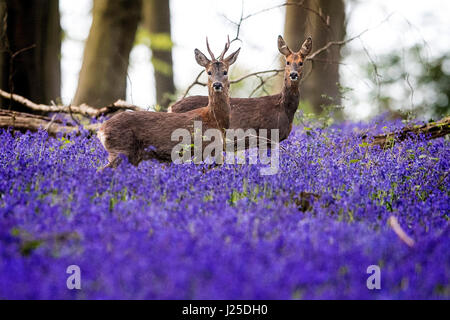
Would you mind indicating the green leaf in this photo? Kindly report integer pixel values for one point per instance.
(29, 246)
(364, 145)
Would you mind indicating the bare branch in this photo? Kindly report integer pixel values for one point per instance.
(84, 109)
(312, 57)
(324, 18)
(344, 42)
(15, 54)
(196, 82)
(276, 71)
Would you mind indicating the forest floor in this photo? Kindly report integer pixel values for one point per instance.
(337, 206)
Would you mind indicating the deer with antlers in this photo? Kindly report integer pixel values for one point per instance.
(268, 112)
(144, 135)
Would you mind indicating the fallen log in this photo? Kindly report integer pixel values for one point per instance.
(431, 130)
(25, 121)
(84, 110)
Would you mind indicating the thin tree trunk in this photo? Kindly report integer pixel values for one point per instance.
(31, 48)
(296, 24)
(321, 87)
(103, 75)
(156, 14)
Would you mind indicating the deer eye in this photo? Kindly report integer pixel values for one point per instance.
(225, 73)
(288, 63)
(300, 64)
(209, 73)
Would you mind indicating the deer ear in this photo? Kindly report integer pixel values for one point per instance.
(306, 47)
(282, 47)
(232, 57)
(201, 58)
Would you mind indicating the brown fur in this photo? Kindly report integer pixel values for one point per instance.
(269, 112)
(144, 135)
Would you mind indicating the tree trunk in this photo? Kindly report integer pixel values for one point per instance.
(103, 75)
(31, 48)
(321, 87)
(156, 14)
(2, 44)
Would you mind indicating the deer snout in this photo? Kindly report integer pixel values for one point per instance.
(294, 76)
(217, 86)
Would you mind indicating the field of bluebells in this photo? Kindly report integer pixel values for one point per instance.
(194, 232)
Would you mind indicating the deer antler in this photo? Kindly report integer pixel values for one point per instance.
(209, 50)
(227, 46)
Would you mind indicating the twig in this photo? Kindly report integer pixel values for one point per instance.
(393, 222)
(276, 71)
(11, 68)
(344, 42)
(71, 115)
(325, 19)
(196, 82)
(312, 57)
(375, 68)
(47, 127)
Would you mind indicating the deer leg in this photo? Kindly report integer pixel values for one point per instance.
(113, 161)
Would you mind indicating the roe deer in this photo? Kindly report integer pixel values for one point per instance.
(268, 112)
(134, 133)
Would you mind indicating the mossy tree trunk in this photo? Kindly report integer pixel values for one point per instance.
(321, 87)
(103, 75)
(30, 45)
(156, 18)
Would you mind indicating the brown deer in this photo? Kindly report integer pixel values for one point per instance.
(143, 135)
(268, 112)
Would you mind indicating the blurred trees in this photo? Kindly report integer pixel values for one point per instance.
(30, 50)
(404, 81)
(309, 18)
(30, 43)
(103, 76)
(156, 21)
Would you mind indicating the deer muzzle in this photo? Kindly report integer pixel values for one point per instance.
(217, 86)
(293, 76)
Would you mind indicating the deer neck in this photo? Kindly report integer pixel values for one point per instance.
(219, 107)
(290, 97)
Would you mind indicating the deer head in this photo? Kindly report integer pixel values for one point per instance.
(294, 60)
(217, 69)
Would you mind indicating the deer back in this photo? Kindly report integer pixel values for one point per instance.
(268, 112)
(142, 135)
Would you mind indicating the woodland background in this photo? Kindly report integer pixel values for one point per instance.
(95, 52)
